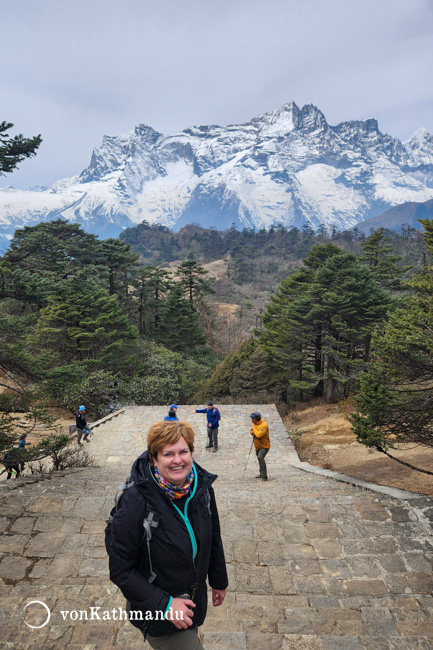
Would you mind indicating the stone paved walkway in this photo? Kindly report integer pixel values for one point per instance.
(313, 563)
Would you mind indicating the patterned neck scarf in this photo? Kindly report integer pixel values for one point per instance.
(173, 491)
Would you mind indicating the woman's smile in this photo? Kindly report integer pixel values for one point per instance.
(174, 462)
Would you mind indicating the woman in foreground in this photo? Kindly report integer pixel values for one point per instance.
(168, 579)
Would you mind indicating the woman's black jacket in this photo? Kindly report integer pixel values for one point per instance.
(171, 546)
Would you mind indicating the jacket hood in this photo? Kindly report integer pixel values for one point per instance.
(141, 472)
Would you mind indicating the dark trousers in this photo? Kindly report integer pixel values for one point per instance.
(82, 433)
(183, 640)
(10, 469)
(212, 434)
(261, 453)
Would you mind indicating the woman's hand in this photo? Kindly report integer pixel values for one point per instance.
(182, 607)
(218, 596)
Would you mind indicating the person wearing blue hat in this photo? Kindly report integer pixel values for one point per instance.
(260, 432)
(81, 424)
(171, 417)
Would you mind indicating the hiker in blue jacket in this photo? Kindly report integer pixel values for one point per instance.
(213, 418)
(171, 417)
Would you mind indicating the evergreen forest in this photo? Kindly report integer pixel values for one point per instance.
(156, 317)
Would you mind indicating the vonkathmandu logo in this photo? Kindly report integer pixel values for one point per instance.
(95, 614)
(38, 602)
(119, 614)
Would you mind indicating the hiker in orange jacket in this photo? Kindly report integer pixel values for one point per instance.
(260, 433)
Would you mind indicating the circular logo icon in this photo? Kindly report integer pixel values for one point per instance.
(38, 602)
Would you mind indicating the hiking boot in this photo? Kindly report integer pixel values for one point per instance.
(258, 476)
(208, 446)
(215, 449)
(265, 478)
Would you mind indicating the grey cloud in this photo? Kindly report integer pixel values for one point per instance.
(83, 69)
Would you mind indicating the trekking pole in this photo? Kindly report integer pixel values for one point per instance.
(252, 442)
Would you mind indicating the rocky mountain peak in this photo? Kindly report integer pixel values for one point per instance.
(286, 166)
(420, 147)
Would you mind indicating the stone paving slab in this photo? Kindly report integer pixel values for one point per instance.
(313, 563)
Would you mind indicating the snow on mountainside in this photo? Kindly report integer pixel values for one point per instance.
(288, 166)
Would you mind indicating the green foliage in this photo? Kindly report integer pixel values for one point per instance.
(171, 375)
(194, 285)
(54, 250)
(68, 308)
(153, 389)
(120, 261)
(15, 358)
(395, 403)
(295, 435)
(151, 287)
(10, 433)
(179, 329)
(59, 380)
(318, 327)
(219, 383)
(100, 391)
(259, 255)
(378, 256)
(15, 150)
(84, 325)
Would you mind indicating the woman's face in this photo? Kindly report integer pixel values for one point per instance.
(174, 462)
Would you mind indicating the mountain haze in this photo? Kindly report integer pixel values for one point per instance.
(288, 166)
(404, 214)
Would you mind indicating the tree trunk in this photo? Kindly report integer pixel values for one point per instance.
(318, 365)
(330, 383)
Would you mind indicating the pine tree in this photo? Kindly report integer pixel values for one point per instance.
(347, 304)
(281, 338)
(151, 286)
(82, 324)
(378, 256)
(192, 281)
(179, 329)
(318, 327)
(15, 150)
(120, 261)
(395, 404)
(53, 249)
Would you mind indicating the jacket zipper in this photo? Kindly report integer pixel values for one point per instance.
(185, 517)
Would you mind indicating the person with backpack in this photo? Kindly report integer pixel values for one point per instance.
(171, 417)
(163, 540)
(81, 424)
(213, 417)
(11, 464)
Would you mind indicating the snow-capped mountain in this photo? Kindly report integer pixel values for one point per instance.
(288, 166)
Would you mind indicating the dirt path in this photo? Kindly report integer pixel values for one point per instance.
(329, 442)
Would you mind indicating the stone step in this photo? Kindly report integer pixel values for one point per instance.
(313, 562)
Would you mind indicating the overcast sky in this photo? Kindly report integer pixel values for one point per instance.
(74, 71)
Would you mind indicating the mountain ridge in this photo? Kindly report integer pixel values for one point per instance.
(286, 166)
(404, 214)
